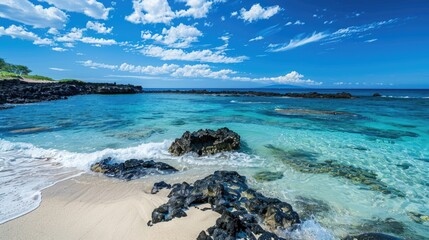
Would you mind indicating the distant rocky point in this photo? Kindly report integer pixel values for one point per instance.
(16, 91)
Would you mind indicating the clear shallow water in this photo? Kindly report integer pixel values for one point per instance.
(388, 136)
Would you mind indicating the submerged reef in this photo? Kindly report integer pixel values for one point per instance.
(205, 142)
(131, 169)
(306, 162)
(267, 176)
(245, 213)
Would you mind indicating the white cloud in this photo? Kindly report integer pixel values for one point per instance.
(197, 8)
(297, 42)
(371, 40)
(150, 11)
(290, 78)
(256, 12)
(76, 35)
(58, 69)
(202, 71)
(151, 70)
(95, 65)
(349, 31)
(98, 41)
(258, 38)
(181, 36)
(53, 31)
(20, 32)
(197, 55)
(198, 71)
(91, 8)
(24, 11)
(233, 14)
(330, 37)
(59, 49)
(98, 27)
(297, 22)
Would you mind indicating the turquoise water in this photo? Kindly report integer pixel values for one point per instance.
(388, 136)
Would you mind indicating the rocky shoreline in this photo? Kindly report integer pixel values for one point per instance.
(16, 91)
(244, 212)
(342, 95)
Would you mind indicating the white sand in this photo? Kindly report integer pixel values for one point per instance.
(95, 207)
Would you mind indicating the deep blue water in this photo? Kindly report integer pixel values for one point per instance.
(387, 136)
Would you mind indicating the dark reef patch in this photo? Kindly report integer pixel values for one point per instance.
(267, 176)
(306, 162)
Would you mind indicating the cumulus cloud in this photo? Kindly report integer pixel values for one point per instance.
(59, 49)
(91, 8)
(297, 42)
(98, 27)
(20, 32)
(76, 35)
(202, 71)
(258, 38)
(181, 36)
(98, 41)
(197, 8)
(197, 55)
(173, 70)
(95, 65)
(256, 12)
(151, 70)
(24, 11)
(293, 78)
(149, 11)
(198, 71)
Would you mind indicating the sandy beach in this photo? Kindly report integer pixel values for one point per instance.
(96, 207)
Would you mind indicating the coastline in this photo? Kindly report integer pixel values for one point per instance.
(96, 207)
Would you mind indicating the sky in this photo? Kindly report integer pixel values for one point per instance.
(222, 43)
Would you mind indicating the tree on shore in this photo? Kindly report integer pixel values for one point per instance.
(12, 68)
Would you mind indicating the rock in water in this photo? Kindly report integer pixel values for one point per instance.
(205, 142)
(131, 169)
(245, 213)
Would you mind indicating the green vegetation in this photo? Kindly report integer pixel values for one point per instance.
(74, 81)
(38, 77)
(12, 68)
(8, 70)
(4, 74)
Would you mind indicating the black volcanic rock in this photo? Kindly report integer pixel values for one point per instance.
(131, 169)
(205, 142)
(243, 210)
(376, 95)
(342, 95)
(17, 91)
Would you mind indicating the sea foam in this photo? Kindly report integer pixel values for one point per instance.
(25, 170)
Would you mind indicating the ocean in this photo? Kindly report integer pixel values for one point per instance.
(346, 165)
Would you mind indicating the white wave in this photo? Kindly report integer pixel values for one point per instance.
(25, 170)
(310, 230)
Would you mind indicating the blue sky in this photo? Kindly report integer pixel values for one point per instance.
(221, 43)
